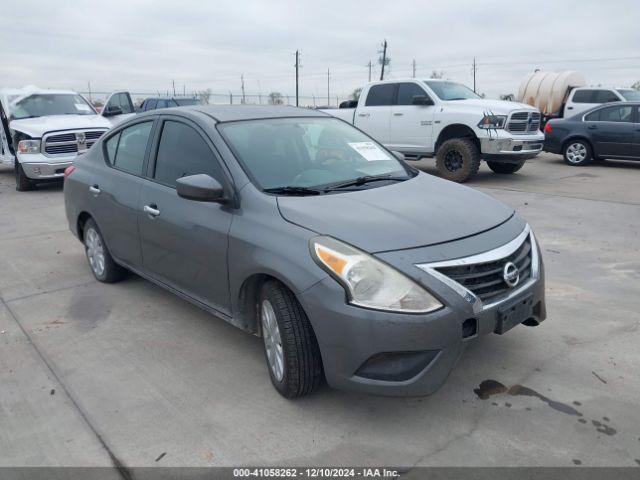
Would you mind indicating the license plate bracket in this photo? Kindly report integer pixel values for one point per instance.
(514, 313)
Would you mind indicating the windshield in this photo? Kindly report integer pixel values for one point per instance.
(630, 95)
(40, 105)
(186, 101)
(451, 90)
(308, 152)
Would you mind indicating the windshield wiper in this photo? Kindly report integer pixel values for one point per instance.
(459, 98)
(291, 190)
(356, 182)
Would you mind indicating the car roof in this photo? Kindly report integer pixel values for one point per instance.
(171, 98)
(230, 113)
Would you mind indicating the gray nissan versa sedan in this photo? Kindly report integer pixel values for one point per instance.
(298, 227)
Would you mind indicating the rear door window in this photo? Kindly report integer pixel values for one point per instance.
(583, 96)
(381, 95)
(182, 152)
(126, 150)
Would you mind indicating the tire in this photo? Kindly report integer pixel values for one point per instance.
(23, 183)
(100, 260)
(290, 346)
(577, 153)
(458, 159)
(501, 167)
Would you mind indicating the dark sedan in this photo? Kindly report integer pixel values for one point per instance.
(608, 131)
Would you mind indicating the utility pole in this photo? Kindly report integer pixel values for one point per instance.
(369, 65)
(328, 76)
(184, 90)
(174, 87)
(384, 59)
(244, 100)
(474, 69)
(90, 99)
(297, 66)
(413, 64)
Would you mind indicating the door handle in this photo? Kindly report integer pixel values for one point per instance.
(363, 114)
(592, 127)
(151, 210)
(95, 189)
(569, 108)
(398, 114)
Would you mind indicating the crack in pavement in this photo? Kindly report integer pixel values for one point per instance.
(117, 464)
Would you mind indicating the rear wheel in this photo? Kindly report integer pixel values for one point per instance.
(577, 153)
(290, 345)
(501, 167)
(23, 183)
(458, 159)
(102, 265)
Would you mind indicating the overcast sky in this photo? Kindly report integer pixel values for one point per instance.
(143, 45)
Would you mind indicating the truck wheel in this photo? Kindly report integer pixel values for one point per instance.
(458, 159)
(577, 153)
(100, 260)
(501, 167)
(23, 183)
(290, 346)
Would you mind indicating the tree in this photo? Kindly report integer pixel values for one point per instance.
(436, 74)
(355, 95)
(636, 86)
(204, 96)
(275, 98)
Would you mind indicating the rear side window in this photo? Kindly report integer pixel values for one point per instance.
(125, 151)
(605, 96)
(583, 96)
(150, 104)
(380, 95)
(623, 114)
(183, 152)
(406, 92)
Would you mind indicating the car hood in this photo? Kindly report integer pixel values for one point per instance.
(38, 126)
(502, 107)
(422, 211)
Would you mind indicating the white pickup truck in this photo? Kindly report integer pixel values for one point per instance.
(426, 118)
(42, 131)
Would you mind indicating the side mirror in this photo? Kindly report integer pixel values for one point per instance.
(201, 188)
(398, 155)
(112, 111)
(421, 100)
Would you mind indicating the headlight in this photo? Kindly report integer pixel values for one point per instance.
(493, 121)
(369, 282)
(29, 146)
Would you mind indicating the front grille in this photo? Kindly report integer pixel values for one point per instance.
(486, 280)
(69, 142)
(523, 122)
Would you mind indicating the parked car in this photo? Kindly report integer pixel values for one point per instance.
(607, 131)
(43, 131)
(563, 94)
(295, 226)
(166, 102)
(423, 118)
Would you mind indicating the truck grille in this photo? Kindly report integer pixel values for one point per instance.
(523, 122)
(486, 280)
(70, 142)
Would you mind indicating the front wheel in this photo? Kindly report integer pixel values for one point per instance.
(290, 345)
(23, 183)
(577, 153)
(501, 167)
(458, 159)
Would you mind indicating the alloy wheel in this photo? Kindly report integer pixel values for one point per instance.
(576, 152)
(272, 340)
(95, 251)
(453, 160)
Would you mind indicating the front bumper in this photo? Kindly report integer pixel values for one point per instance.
(350, 337)
(39, 167)
(502, 146)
